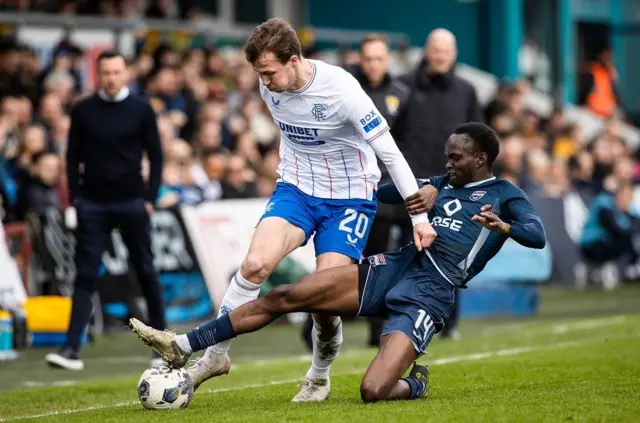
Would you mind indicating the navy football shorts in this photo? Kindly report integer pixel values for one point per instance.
(415, 300)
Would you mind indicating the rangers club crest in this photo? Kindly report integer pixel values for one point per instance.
(476, 195)
(319, 112)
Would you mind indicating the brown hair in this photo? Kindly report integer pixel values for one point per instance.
(276, 36)
(369, 38)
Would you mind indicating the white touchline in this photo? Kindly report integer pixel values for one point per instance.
(437, 362)
(588, 324)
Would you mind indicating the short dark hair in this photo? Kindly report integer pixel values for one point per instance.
(276, 36)
(483, 137)
(109, 54)
(374, 36)
(37, 157)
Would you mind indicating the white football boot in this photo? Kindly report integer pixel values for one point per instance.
(312, 390)
(206, 368)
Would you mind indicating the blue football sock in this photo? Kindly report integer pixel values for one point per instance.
(211, 333)
(416, 385)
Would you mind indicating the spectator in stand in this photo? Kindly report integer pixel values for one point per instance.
(41, 193)
(165, 96)
(50, 111)
(16, 77)
(608, 233)
(61, 84)
(598, 86)
(170, 191)
(509, 162)
(581, 175)
(8, 185)
(238, 181)
(208, 137)
(537, 171)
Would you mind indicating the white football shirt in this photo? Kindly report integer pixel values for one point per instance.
(325, 130)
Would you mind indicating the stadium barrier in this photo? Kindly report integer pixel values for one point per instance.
(185, 292)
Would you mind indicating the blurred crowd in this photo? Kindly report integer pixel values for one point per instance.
(546, 156)
(127, 9)
(218, 139)
(220, 142)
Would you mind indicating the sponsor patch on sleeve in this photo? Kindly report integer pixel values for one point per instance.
(370, 121)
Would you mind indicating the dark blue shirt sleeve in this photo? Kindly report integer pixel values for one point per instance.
(389, 194)
(526, 226)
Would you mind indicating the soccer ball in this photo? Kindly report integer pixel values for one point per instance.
(163, 388)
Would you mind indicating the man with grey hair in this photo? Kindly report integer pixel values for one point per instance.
(439, 102)
(60, 83)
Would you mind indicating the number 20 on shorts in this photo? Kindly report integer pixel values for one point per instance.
(359, 229)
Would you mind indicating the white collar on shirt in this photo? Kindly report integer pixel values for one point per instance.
(122, 94)
(475, 184)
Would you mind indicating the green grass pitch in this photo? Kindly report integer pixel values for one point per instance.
(578, 360)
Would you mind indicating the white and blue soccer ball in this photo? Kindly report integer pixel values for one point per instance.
(163, 388)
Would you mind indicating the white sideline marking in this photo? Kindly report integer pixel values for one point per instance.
(588, 324)
(440, 361)
(145, 360)
(37, 384)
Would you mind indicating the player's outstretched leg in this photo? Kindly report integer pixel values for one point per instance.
(383, 380)
(273, 239)
(332, 291)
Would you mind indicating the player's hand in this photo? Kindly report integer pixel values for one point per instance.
(422, 201)
(423, 235)
(148, 207)
(491, 221)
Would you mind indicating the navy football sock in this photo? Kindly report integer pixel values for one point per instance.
(211, 333)
(416, 385)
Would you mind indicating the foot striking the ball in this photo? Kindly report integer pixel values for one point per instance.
(162, 342)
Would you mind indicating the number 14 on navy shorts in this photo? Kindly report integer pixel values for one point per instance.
(340, 226)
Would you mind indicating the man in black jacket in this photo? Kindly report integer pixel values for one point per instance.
(388, 94)
(439, 102)
(109, 133)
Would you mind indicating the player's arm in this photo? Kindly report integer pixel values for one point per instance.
(374, 130)
(389, 194)
(360, 111)
(523, 225)
(386, 149)
(421, 201)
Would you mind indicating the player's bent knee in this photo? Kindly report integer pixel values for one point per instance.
(255, 267)
(371, 391)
